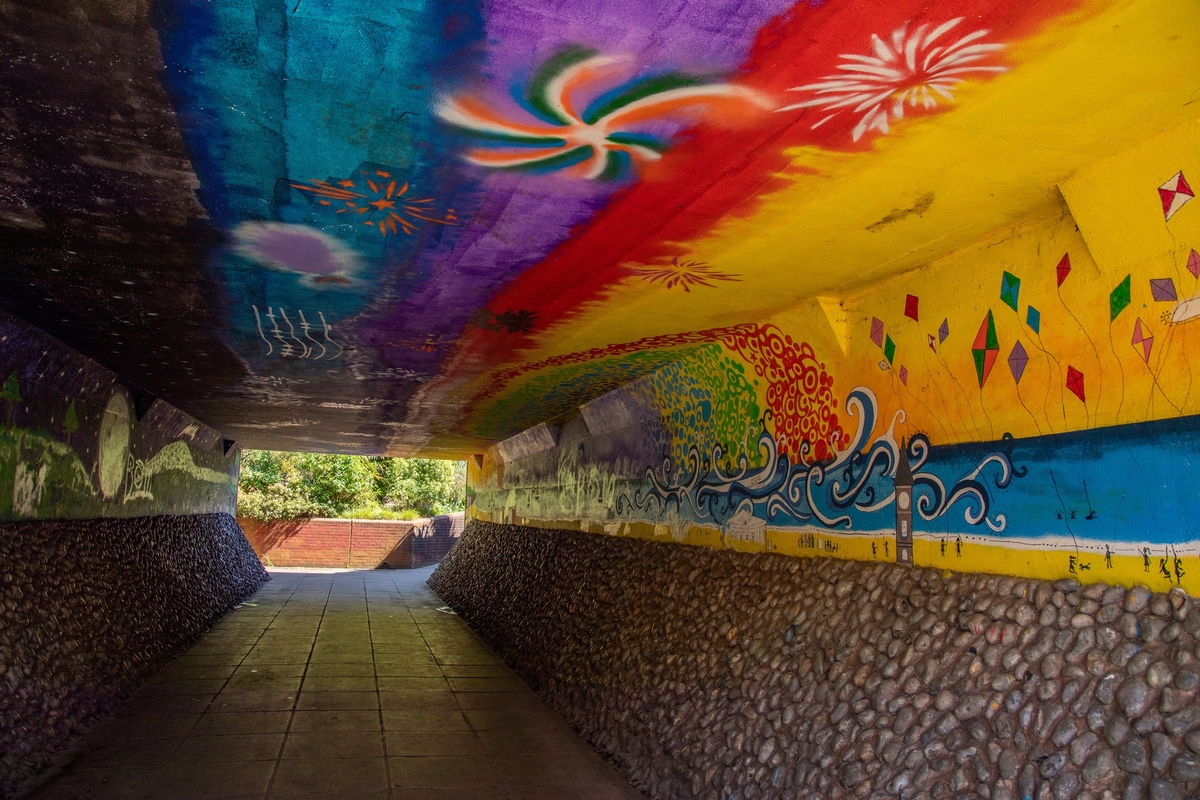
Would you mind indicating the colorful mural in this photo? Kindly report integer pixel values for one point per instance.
(75, 445)
(434, 200)
(1075, 460)
(732, 265)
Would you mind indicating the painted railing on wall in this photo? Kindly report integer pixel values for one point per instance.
(353, 543)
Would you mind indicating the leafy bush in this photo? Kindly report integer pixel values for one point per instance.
(276, 485)
(423, 484)
(376, 511)
(278, 502)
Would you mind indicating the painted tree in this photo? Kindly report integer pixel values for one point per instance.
(70, 421)
(11, 395)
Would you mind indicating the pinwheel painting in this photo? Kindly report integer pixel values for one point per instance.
(915, 68)
(604, 138)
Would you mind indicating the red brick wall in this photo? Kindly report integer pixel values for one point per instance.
(359, 544)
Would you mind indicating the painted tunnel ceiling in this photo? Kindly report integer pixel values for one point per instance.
(422, 227)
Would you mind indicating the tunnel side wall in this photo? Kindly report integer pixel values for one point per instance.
(76, 443)
(715, 674)
(117, 545)
(93, 608)
(1025, 407)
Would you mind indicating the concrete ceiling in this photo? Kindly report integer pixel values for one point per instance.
(422, 227)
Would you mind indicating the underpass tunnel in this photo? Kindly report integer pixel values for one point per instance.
(823, 373)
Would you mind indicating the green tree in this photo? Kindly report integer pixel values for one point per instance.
(276, 485)
(10, 393)
(70, 421)
(271, 487)
(423, 484)
(460, 484)
(261, 469)
(336, 482)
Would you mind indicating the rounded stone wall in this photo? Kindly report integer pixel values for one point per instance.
(710, 674)
(90, 609)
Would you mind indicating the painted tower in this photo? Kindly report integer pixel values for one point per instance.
(904, 511)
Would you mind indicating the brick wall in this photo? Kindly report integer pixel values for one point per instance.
(358, 543)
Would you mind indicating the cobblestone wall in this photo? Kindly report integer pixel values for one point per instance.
(713, 674)
(92, 608)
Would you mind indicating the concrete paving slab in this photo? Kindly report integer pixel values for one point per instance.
(338, 684)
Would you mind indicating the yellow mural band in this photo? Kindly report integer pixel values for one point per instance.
(929, 550)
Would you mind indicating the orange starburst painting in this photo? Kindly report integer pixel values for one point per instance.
(684, 273)
(382, 200)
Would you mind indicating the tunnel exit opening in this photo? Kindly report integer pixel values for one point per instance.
(336, 511)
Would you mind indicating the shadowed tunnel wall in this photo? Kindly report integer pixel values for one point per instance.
(118, 548)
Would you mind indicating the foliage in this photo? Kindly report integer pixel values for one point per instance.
(275, 485)
(376, 511)
(71, 420)
(10, 393)
(423, 484)
(11, 390)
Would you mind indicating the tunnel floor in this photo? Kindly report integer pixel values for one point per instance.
(348, 685)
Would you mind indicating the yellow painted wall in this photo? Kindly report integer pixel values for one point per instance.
(1109, 223)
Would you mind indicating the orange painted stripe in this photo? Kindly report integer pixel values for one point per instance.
(486, 114)
(581, 77)
(510, 158)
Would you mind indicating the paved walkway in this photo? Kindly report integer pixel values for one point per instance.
(348, 685)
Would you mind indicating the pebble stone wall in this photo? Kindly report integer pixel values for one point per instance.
(93, 608)
(709, 674)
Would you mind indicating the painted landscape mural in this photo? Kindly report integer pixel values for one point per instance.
(76, 444)
(722, 273)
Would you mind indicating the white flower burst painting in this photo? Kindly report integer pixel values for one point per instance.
(915, 68)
